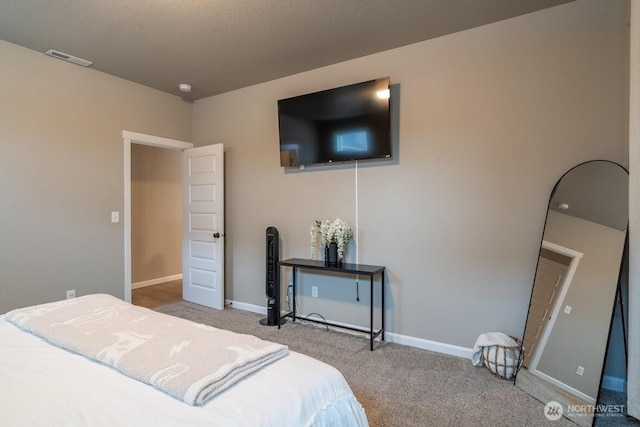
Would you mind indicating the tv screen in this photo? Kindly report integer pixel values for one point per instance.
(336, 125)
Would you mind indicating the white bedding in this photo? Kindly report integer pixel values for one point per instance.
(44, 385)
(188, 360)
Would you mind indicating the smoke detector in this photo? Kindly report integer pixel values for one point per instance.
(184, 87)
(68, 58)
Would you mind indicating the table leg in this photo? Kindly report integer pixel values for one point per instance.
(382, 303)
(371, 309)
(293, 292)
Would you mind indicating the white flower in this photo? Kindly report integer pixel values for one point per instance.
(336, 231)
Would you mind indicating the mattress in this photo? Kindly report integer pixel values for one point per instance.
(45, 385)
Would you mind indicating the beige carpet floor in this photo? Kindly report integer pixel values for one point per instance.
(397, 385)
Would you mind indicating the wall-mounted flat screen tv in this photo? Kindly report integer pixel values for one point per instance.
(337, 125)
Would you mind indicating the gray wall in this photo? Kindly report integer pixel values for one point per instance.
(156, 213)
(489, 119)
(61, 173)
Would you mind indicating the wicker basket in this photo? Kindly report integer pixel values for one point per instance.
(503, 361)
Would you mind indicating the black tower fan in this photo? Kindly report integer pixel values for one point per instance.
(272, 279)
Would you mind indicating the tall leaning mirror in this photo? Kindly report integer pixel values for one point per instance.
(574, 290)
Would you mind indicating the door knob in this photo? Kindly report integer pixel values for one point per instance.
(216, 235)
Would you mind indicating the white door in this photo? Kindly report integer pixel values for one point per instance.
(203, 226)
(546, 287)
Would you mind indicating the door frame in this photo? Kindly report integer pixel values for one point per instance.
(555, 310)
(142, 139)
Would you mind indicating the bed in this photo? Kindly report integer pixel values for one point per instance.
(43, 384)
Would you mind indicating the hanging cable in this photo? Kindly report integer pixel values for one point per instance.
(357, 231)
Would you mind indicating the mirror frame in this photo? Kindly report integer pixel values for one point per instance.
(615, 302)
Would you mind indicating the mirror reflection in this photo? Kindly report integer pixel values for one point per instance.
(565, 337)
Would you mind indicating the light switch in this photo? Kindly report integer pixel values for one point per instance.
(567, 309)
(115, 216)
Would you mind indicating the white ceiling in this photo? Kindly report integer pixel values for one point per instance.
(222, 45)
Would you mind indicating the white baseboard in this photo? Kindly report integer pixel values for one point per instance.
(436, 346)
(246, 307)
(156, 281)
(614, 383)
(573, 391)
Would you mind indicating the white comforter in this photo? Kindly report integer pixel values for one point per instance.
(45, 385)
(188, 360)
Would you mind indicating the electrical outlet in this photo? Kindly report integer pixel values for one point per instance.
(567, 309)
(580, 370)
(314, 292)
(71, 293)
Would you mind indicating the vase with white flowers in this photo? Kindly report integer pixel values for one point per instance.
(336, 234)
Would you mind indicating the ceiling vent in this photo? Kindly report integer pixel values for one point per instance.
(68, 58)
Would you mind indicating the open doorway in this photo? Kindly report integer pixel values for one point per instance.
(550, 275)
(156, 225)
(202, 214)
(132, 139)
(568, 260)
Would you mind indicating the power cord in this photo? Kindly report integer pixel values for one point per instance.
(324, 321)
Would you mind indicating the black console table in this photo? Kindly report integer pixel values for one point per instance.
(365, 270)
